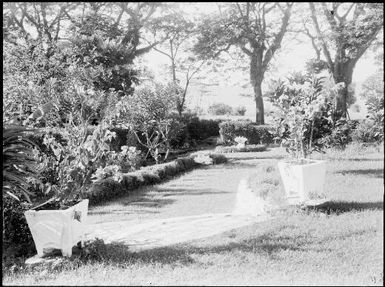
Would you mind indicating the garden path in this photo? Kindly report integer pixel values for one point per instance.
(197, 204)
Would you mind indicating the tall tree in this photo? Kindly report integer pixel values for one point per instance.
(257, 28)
(177, 34)
(346, 30)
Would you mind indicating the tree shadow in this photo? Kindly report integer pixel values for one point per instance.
(338, 207)
(366, 172)
(267, 245)
(255, 157)
(183, 253)
(362, 159)
(148, 202)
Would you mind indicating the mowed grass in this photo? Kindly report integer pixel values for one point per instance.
(338, 243)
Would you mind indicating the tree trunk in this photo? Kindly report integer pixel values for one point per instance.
(342, 73)
(256, 78)
(259, 109)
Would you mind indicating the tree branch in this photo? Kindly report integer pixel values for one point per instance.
(347, 12)
(329, 16)
(318, 30)
(145, 49)
(278, 38)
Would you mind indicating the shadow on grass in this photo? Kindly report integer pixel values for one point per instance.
(338, 207)
(120, 253)
(366, 172)
(361, 159)
(148, 202)
(255, 157)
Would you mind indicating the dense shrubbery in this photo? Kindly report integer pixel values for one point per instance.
(218, 109)
(240, 111)
(368, 131)
(341, 134)
(194, 130)
(305, 112)
(16, 234)
(255, 134)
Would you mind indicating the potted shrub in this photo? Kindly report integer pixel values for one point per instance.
(59, 223)
(303, 104)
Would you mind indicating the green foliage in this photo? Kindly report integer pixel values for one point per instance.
(255, 134)
(218, 158)
(149, 115)
(304, 113)
(373, 93)
(17, 238)
(315, 66)
(218, 109)
(109, 50)
(194, 130)
(19, 164)
(368, 131)
(240, 111)
(74, 162)
(341, 134)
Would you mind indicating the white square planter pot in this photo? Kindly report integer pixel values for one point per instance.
(301, 180)
(59, 229)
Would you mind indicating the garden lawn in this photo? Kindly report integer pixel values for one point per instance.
(340, 243)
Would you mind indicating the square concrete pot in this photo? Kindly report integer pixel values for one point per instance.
(303, 182)
(58, 229)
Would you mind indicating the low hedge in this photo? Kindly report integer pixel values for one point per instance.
(255, 134)
(247, 148)
(109, 188)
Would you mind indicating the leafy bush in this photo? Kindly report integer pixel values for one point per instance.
(149, 113)
(368, 131)
(218, 158)
(202, 129)
(17, 238)
(19, 163)
(255, 134)
(240, 111)
(304, 103)
(247, 148)
(128, 159)
(194, 130)
(218, 109)
(341, 134)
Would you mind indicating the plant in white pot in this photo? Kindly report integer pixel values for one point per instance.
(304, 107)
(60, 222)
